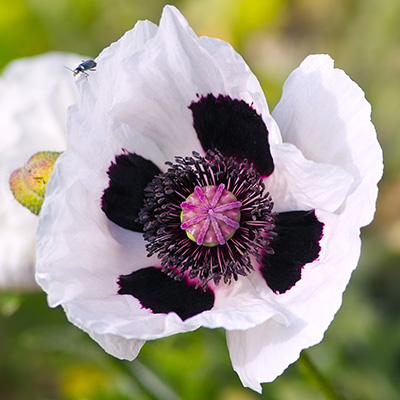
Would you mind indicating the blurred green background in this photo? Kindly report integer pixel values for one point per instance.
(43, 357)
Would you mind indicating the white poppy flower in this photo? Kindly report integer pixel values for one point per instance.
(34, 95)
(134, 249)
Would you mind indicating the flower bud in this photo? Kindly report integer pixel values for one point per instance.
(28, 183)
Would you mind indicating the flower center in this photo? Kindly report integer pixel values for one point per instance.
(210, 215)
(207, 218)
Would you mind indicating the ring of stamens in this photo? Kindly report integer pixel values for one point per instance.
(213, 190)
(210, 215)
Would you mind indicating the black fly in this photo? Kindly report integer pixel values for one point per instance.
(87, 65)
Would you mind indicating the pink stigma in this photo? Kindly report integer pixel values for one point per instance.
(210, 215)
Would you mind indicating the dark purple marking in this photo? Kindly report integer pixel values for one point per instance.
(296, 244)
(162, 294)
(124, 197)
(234, 128)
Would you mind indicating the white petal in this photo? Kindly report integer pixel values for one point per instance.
(94, 132)
(115, 345)
(81, 255)
(325, 115)
(300, 184)
(34, 95)
(262, 353)
(137, 99)
(309, 307)
(140, 96)
(239, 306)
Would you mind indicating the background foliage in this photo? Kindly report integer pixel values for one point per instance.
(43, 357)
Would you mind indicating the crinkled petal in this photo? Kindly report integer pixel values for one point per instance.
(79, 239)
(84, 267)
(325, 114)
(124, 349)
(301, 184)
(33, 104)
(144, 110)
(117, 346)
(309, 306)
(81, 255)
(262, 353)
(145, 106)
(236, 306)
(239, 306)
(93, 131)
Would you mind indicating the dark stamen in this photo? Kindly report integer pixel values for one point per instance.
(167, 195)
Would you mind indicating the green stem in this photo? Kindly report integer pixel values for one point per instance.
(315, 376)
(147, 380)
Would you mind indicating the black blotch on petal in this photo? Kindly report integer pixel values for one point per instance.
(296, 244)
(234, 128)
(123, 198)
(162, 294)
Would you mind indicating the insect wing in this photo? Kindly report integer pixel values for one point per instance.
(88, 64)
